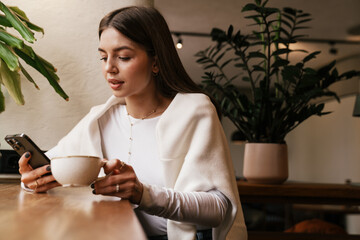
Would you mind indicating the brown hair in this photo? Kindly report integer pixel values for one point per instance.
(147, 27)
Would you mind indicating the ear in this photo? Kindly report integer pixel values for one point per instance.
(155, 65)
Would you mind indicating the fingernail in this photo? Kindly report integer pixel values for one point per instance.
(48, 168)
(27, 155)
(94, 191)
(92, 185)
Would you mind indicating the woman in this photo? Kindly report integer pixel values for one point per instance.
(169, 156)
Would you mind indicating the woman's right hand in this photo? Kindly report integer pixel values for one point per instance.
(34, 178)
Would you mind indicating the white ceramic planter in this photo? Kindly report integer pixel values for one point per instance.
(266, 163)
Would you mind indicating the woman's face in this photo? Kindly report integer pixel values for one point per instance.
(125, 64)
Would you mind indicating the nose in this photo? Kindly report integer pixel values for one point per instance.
(110, 66)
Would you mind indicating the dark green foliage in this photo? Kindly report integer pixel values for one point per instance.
(282, 92)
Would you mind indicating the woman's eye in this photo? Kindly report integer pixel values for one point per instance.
(103, 59)
(124, 58)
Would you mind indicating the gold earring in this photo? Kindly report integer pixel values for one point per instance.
(155, 74)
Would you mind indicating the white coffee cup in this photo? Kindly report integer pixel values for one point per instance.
(76, 170)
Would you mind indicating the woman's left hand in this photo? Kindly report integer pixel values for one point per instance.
(122, 182)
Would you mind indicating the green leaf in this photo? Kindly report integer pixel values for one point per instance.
(258, 43)
(40, 67)
(264, 3)
(324, 71)
(7, 55)
(281, 51)
(219, 57)
(299, 50)
(27, 50)
(28, 77)
(2, 101)
(299, 36)
(11, 40)
(233, 78)
(29, 56)
(310, 71)
(24, 30)
(12, 83)
(254, 17)
(279, 63)
(290, 11)
(299, 28)
(246, 79)
(286, 23)
(258, 68)
(47, 64)
(350, 74)
(225, 63)
(230, 32)
(31, 25)
(290, 73)
(249, 7)
(311, 56)
(304, 15)
(19, 12)
(288, 35)
(218, 35)
(210, 66)
(284, 41)
(289, 18)
(4, 22)
(304, 21)
(308, 81)
(257, 55)
(269, 11)
(213, 53)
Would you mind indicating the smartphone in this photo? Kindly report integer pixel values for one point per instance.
(21, 143)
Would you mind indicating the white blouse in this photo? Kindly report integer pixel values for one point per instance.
(202, 208)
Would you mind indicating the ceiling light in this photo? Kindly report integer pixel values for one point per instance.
(179, 44)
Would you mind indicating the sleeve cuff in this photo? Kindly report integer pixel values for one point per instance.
(24, 187)
(145, 201)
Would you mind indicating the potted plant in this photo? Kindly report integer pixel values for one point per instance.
(282, 93)
(13, 48)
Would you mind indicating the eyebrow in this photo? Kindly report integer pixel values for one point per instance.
(116, 49)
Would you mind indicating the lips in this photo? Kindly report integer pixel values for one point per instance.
(115, 84)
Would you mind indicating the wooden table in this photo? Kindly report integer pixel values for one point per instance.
(64, 213)
(290, 193)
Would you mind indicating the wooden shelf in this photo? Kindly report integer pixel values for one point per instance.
(300, 192)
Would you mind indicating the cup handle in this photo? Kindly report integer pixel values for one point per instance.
(101, 178)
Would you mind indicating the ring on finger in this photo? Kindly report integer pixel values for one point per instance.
(117, 188)
(37, 185)
(122, 164)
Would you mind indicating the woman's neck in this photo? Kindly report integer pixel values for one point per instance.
(146, 107)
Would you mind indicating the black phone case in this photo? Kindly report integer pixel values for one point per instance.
(21, 143)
